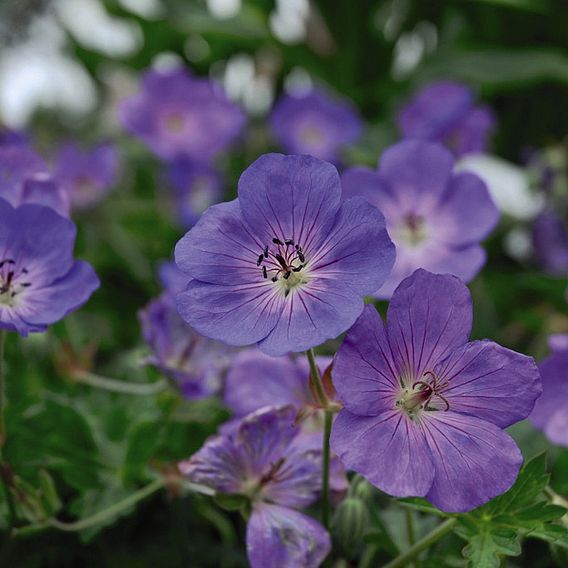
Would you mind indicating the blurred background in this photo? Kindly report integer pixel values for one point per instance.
(65, 65)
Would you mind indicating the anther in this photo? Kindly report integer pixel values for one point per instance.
(289, 242)
(264, 272)
(298, 268)
(281, 261)
(274, 279)
(277, 241)
(260, 259)
(301, 256)
(287, 275)
(265, 252)
(7, 261)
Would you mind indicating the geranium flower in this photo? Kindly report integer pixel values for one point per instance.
(435, 217)
(314, 123)
(196, 364)
(24, 178)
(262, 461)
(287, 263)
(550, 413)
(177, 114)
(445, 112)
(40, 282)
(87, 175)
(424, 409)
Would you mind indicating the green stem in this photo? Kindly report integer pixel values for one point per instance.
(99, 517)
(328, 419)
(142, 389)
(424, 543)
(2, 388)
(4, 471)
(315, 379)
(411, 533)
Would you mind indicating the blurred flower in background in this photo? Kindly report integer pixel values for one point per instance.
(24, 178)
(445, 112)
(196, 186)
(87, 175)
(550, 413)
(176, 114)
(314, 123)
(435, 217)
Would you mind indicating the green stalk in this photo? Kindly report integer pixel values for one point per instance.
(104, 383)
(315, 380)
(423, 544)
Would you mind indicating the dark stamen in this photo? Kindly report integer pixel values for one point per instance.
(281, 261)
(274, 279)
(301, 257)
(265, 251)
(298, 268)
(289, 242)
(260, 259)
(287, 275)
(277, 241)
(7, 261)
(264, 272)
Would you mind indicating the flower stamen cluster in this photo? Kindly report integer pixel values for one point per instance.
(10, 286)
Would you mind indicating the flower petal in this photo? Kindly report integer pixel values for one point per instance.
(320, 310)
(290, 197)
(364, 372)
(417, 172)
(255, 380)
(490, 382)
(238, 314)
(358, 249)
(283, 538)
(389, 450)
(467, 213)
(48, 304)
(428, 317)
(220, 249)
(474, 460)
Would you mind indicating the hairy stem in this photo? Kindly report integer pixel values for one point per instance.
(424, 543)
(2, 388)
(411, 533)
(141, 389)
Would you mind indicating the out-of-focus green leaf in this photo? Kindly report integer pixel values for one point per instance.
(497, 69)
(539, 6)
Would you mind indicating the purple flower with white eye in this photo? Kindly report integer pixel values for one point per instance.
(424, 409)
(263, 461)
(195, 363)
(286, 265)
(550, 413)
(550, 239)
(445, 112)
(87, 175)
(314, 123)
(40, 281)
(177, 114)
(24, 178)
(196, 187)
(435, 217)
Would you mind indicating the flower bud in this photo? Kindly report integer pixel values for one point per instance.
(349, 524)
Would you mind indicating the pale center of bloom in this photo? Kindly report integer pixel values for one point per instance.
(284, 263)
(252, 486)
(411, 230)
(423, 395)
(84, 185)
(13, 282)
(174, 122)
(311, 135)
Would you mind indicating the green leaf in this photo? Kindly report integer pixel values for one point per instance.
(498, 68)
(233, 502)
(496, 529)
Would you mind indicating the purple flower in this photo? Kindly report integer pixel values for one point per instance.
(178, 114)
(197, 186)
(287, 263)
(316, 124)
(263, 461)
(171, 277)
(435, 217)
(424, 409)
(13, 138)
(87, 175)
(255, 380)
(40, 282)
(195, 363)
(445, 112)
(24, 178)
(550, 239)
(550, 413)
